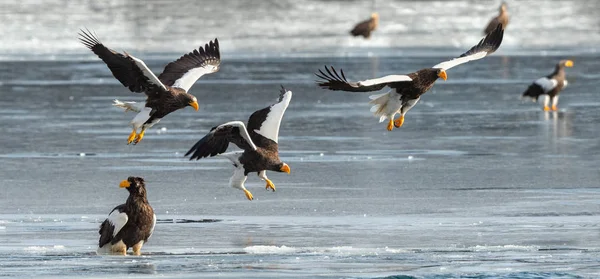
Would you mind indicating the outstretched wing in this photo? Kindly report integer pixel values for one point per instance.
(218, 139)
(186, 70)
(112, 225)
(265, 123)
(334, 81)
(130, 71)
(486, 46)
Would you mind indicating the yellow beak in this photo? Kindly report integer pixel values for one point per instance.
(285, 168)
(194, 104)
(569, 63)
(443, 75)
(124, 184)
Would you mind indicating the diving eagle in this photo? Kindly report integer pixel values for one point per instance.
(130, 224)
(165, 93)
(258, 140)
(407, 89)
(549, 86)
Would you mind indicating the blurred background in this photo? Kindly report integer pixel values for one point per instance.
(48, 29)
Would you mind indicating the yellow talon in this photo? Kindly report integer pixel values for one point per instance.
(140, 136)
(390, 125)
(398, 122)
(554, 108)
(270, 185)
(248, 195)
(546, 108)
(131, 136)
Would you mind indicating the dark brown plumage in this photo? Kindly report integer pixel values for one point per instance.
(128, 225)
(259, 142)
(501, 18)
(165, 94)
(550, 86)
(407, 89)
(364, 28)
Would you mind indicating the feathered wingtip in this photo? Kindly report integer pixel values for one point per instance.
(330, 76)
(490, 43)
(88, 38)
(282, 93)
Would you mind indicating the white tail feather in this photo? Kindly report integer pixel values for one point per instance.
(380, 105)
(128, 106)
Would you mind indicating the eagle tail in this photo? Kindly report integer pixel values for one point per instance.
(380, 105)
(128, 106)
(533, 91)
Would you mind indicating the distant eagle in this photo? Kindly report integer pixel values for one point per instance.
(407, 89)
(130, 224)
(168, 92)
(258, 140)
(550, 86)
(365, 28)
(501, 18)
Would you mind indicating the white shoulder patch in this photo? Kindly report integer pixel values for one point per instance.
(386, 79)
(153, 225)
(546, 84)
(118, 220)
(188, 79)
(270, 126)
(149, 74)
(141, 117)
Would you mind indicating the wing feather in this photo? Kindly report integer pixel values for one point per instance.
(218, 139)
(486, 46)
(266, 122)
(132, 74)
(186, 70)
(334, 81)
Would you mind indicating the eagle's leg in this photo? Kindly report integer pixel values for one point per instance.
(248, 194)
(119, 248)
(140, 136)
(398, 122)
(132, 136)
(137, 248)
(555, 103)
(270, 185)
(390, 125)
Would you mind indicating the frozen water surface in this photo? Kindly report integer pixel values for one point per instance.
(476, 184)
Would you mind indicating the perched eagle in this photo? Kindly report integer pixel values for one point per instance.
(129, 224)
(258, 141)
(167, 92)
(549, 86)
(501, 18)
(406, 89)
(365, 28)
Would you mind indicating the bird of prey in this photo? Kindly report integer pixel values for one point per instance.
(130, 224)
(364, 28)
(406, 89)
(258, 140)
(165, 93)
(549, 86)
(501, 18)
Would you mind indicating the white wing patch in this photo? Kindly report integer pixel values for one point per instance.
(118, 220)
(243, 131)
(270, 126)
(149, 74)
(457, 61)
(141, 117)
(188, 79)
(546, 84)
(386, 79)
(153, 225)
